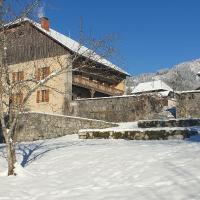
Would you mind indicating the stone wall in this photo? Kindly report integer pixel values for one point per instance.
(169, 123)
(120, 109)
(188, 104)
(35, 126)
(138, 134)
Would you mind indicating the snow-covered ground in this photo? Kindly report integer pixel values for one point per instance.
(69, 168)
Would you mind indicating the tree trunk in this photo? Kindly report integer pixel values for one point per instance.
(11, 157)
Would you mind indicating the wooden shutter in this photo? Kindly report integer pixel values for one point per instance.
(42, 95)
(43, 72)
(13, 77)
(17, 76)
(20, 98)
(38, 97)
(46, 95)
(21, 75)
(38, 74)
(47, 71)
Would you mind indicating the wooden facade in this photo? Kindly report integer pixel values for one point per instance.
(27, 43)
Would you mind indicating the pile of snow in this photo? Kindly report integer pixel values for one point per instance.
(69, 168)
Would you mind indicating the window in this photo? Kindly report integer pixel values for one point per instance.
(42, 96)
(42, 73)
(17, 99)
(17, 76)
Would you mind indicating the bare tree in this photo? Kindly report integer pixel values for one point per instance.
(13, 104)
(10, 107)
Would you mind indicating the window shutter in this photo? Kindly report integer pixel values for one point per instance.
(43, 72)
(47, 96)
(47, 71)
(13, 77)
(21, 75)
(43, 95)
(38, 97)
(20, 98)
(38, 74)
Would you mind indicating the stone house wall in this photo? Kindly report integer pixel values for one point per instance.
(35, 126)
(59, 86)
(120, 109)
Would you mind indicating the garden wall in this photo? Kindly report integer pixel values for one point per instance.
(120, 109)
(188, 104)
(35, 126)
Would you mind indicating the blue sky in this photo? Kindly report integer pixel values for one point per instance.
(152, 34)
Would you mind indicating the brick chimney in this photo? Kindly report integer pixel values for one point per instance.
(44, 21)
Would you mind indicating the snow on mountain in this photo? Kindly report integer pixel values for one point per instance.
(180, 77)
(69, 168)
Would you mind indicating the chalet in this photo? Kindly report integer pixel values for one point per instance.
(152, 87)
(36, 49)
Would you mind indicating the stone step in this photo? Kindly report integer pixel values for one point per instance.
(169, 123)
(139, 134)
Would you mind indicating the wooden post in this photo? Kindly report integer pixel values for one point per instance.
(92, 92)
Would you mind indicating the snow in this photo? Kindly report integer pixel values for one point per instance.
(69, 116)
(151, 86)
(72, 45)
(115, 97)
(121, 127)
(188, 91)
(69, 168)
(133, 126)
(164, 93)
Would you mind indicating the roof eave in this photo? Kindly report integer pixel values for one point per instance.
(18, 21)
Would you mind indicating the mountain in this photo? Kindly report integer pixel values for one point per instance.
(180, 77)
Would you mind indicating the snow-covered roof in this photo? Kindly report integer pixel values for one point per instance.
(164, 93)
(151, 86)
(72, 45)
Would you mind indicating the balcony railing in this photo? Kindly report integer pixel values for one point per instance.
(95, 85)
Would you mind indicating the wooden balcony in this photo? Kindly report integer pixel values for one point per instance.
(95, 85)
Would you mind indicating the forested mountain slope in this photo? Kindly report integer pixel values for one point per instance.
(180, 77)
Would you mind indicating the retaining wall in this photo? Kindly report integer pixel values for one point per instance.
(35, 126)
(169, 123)
(139, 134)
(120, 109)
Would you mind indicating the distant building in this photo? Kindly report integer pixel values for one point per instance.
(151, 87)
